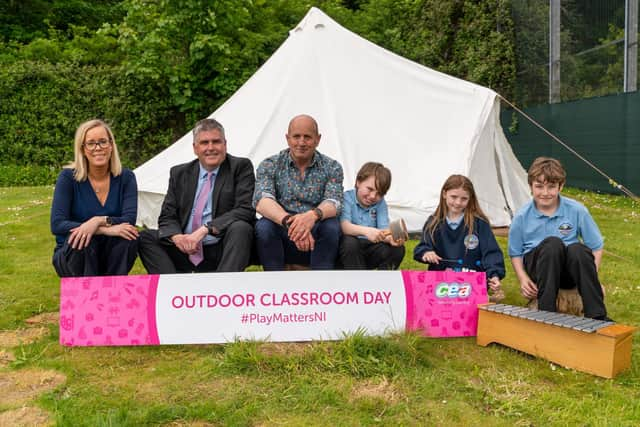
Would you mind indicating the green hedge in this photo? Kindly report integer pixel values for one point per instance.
(167, 64)
(43, 103)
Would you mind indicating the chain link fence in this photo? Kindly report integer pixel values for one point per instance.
(591, 49)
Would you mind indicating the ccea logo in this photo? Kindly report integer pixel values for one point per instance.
(453, 290)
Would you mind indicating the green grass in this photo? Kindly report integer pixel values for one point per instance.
(395, 380)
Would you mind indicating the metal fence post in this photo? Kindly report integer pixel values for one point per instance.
(554, 51)
(631, 46)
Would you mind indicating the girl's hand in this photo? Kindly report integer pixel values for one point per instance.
(494, 283)
(431, 257)
(496, 294)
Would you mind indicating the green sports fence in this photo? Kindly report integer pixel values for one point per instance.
(604, 130)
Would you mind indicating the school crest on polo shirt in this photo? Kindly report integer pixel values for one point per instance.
(373, 213)
(565, 228)
(471, 241)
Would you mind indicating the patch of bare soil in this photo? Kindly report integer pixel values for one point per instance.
(6, 357)
(44, 318)
(380, 389)
(19, 387)
(21, 336)
(26, 416)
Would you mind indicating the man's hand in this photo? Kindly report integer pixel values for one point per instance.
(300, 226)
(188, 243)
(180, 240)
(306, 244)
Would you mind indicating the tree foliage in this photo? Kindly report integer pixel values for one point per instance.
(26, 20)
(202, 51)
(153, 67)
(470, 39)
(43, 103)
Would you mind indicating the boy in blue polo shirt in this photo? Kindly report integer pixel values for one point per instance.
(555, 243)
(364, 245)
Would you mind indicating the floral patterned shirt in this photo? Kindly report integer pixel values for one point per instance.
(280, 179)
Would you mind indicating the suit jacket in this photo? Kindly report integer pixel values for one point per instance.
(232, 194)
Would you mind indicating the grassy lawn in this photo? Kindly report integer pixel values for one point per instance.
(394, 380)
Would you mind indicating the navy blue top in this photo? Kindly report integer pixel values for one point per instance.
(478, 252)
(75, 202)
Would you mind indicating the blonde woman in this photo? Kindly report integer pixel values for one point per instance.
(95, 203)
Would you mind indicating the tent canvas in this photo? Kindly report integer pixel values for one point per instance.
(371, 105)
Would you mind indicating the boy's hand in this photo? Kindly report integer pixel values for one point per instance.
(393, 242)
(431, 257)
(374, 235)
(528, 289)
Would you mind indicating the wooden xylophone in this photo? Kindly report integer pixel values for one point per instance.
(598, 347)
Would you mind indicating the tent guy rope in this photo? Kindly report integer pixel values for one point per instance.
(614, 183)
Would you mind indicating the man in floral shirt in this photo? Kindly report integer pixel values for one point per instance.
(299, 195)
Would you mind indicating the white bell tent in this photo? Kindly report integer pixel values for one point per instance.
(371, 105)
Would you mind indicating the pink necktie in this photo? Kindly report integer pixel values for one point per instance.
(197, 257)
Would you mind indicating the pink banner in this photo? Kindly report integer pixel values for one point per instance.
(110, 310)
(282, 306)
(444, 303)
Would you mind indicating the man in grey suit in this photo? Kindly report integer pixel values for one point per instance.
(206, 221)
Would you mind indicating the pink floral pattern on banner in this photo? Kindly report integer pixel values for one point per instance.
(444, 303)
(109, 310)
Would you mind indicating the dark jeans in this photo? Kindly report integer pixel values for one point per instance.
(552, 265)
(361, 254)
(231, 253)
(105, 256)
(275, 249)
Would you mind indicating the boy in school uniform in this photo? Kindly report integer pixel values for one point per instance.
(555, 243)
(364, 245)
